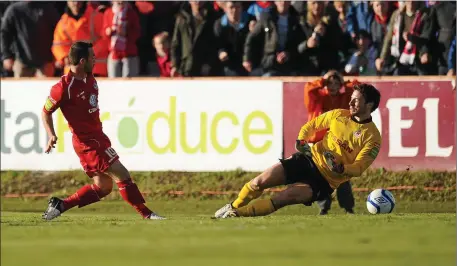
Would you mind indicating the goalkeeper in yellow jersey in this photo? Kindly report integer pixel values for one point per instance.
(349, 147)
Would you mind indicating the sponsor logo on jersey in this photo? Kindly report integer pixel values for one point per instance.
(343, 144)
(357, 134)
(93, 100)
(93, 110)
(95, 85)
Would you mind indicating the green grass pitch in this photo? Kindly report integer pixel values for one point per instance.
(110, 233)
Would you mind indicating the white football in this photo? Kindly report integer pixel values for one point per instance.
(380, 201)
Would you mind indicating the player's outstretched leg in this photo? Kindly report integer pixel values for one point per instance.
(129, 190)
(295, 194)
(88, 194)
(273, 176)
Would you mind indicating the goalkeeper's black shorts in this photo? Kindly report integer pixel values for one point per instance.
(301, 169)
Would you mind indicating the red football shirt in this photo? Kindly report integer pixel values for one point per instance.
(78, 101)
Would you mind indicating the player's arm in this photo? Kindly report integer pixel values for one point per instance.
(364, 159)
(311, 127)
(49, 126)
(317, 124)
(52, 103)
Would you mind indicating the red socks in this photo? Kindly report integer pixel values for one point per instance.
(84, 196)
(92, 193)
(130, 193)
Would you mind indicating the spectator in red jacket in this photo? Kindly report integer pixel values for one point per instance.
(325, 94)
(122, 26)
(161, 43)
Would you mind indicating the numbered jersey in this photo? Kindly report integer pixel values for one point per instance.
(78, 101)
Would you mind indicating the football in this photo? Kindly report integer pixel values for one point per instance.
(380, 201)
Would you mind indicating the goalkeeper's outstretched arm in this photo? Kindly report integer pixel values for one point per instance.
(317, 124)
(364, 159)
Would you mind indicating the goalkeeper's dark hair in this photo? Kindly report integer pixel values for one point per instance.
(78, 51)
(370, 94)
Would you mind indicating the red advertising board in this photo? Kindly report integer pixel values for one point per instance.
(416, 120)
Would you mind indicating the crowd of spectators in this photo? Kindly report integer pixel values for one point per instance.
(231, 38)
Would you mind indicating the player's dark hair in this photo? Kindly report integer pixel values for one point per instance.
(78, 51)
(370, 94)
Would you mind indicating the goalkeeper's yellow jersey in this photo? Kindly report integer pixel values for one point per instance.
(355, 144)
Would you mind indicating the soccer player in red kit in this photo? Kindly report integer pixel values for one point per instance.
(76, 94)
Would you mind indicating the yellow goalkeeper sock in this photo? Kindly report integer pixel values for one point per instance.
(259, 207)
(246, 195)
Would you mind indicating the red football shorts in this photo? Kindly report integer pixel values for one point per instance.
(96, 154)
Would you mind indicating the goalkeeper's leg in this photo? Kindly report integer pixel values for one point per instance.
(295, 194)
(273, 176)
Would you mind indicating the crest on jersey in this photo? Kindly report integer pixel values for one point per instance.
(357, 134)
(93, 100)
(95, 86)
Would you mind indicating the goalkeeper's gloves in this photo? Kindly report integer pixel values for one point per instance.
(333, 164)
(337, 167)
(303, 147)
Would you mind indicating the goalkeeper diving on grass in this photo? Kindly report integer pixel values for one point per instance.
(349, 147)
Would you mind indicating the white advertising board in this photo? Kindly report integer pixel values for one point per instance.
(153, 125)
